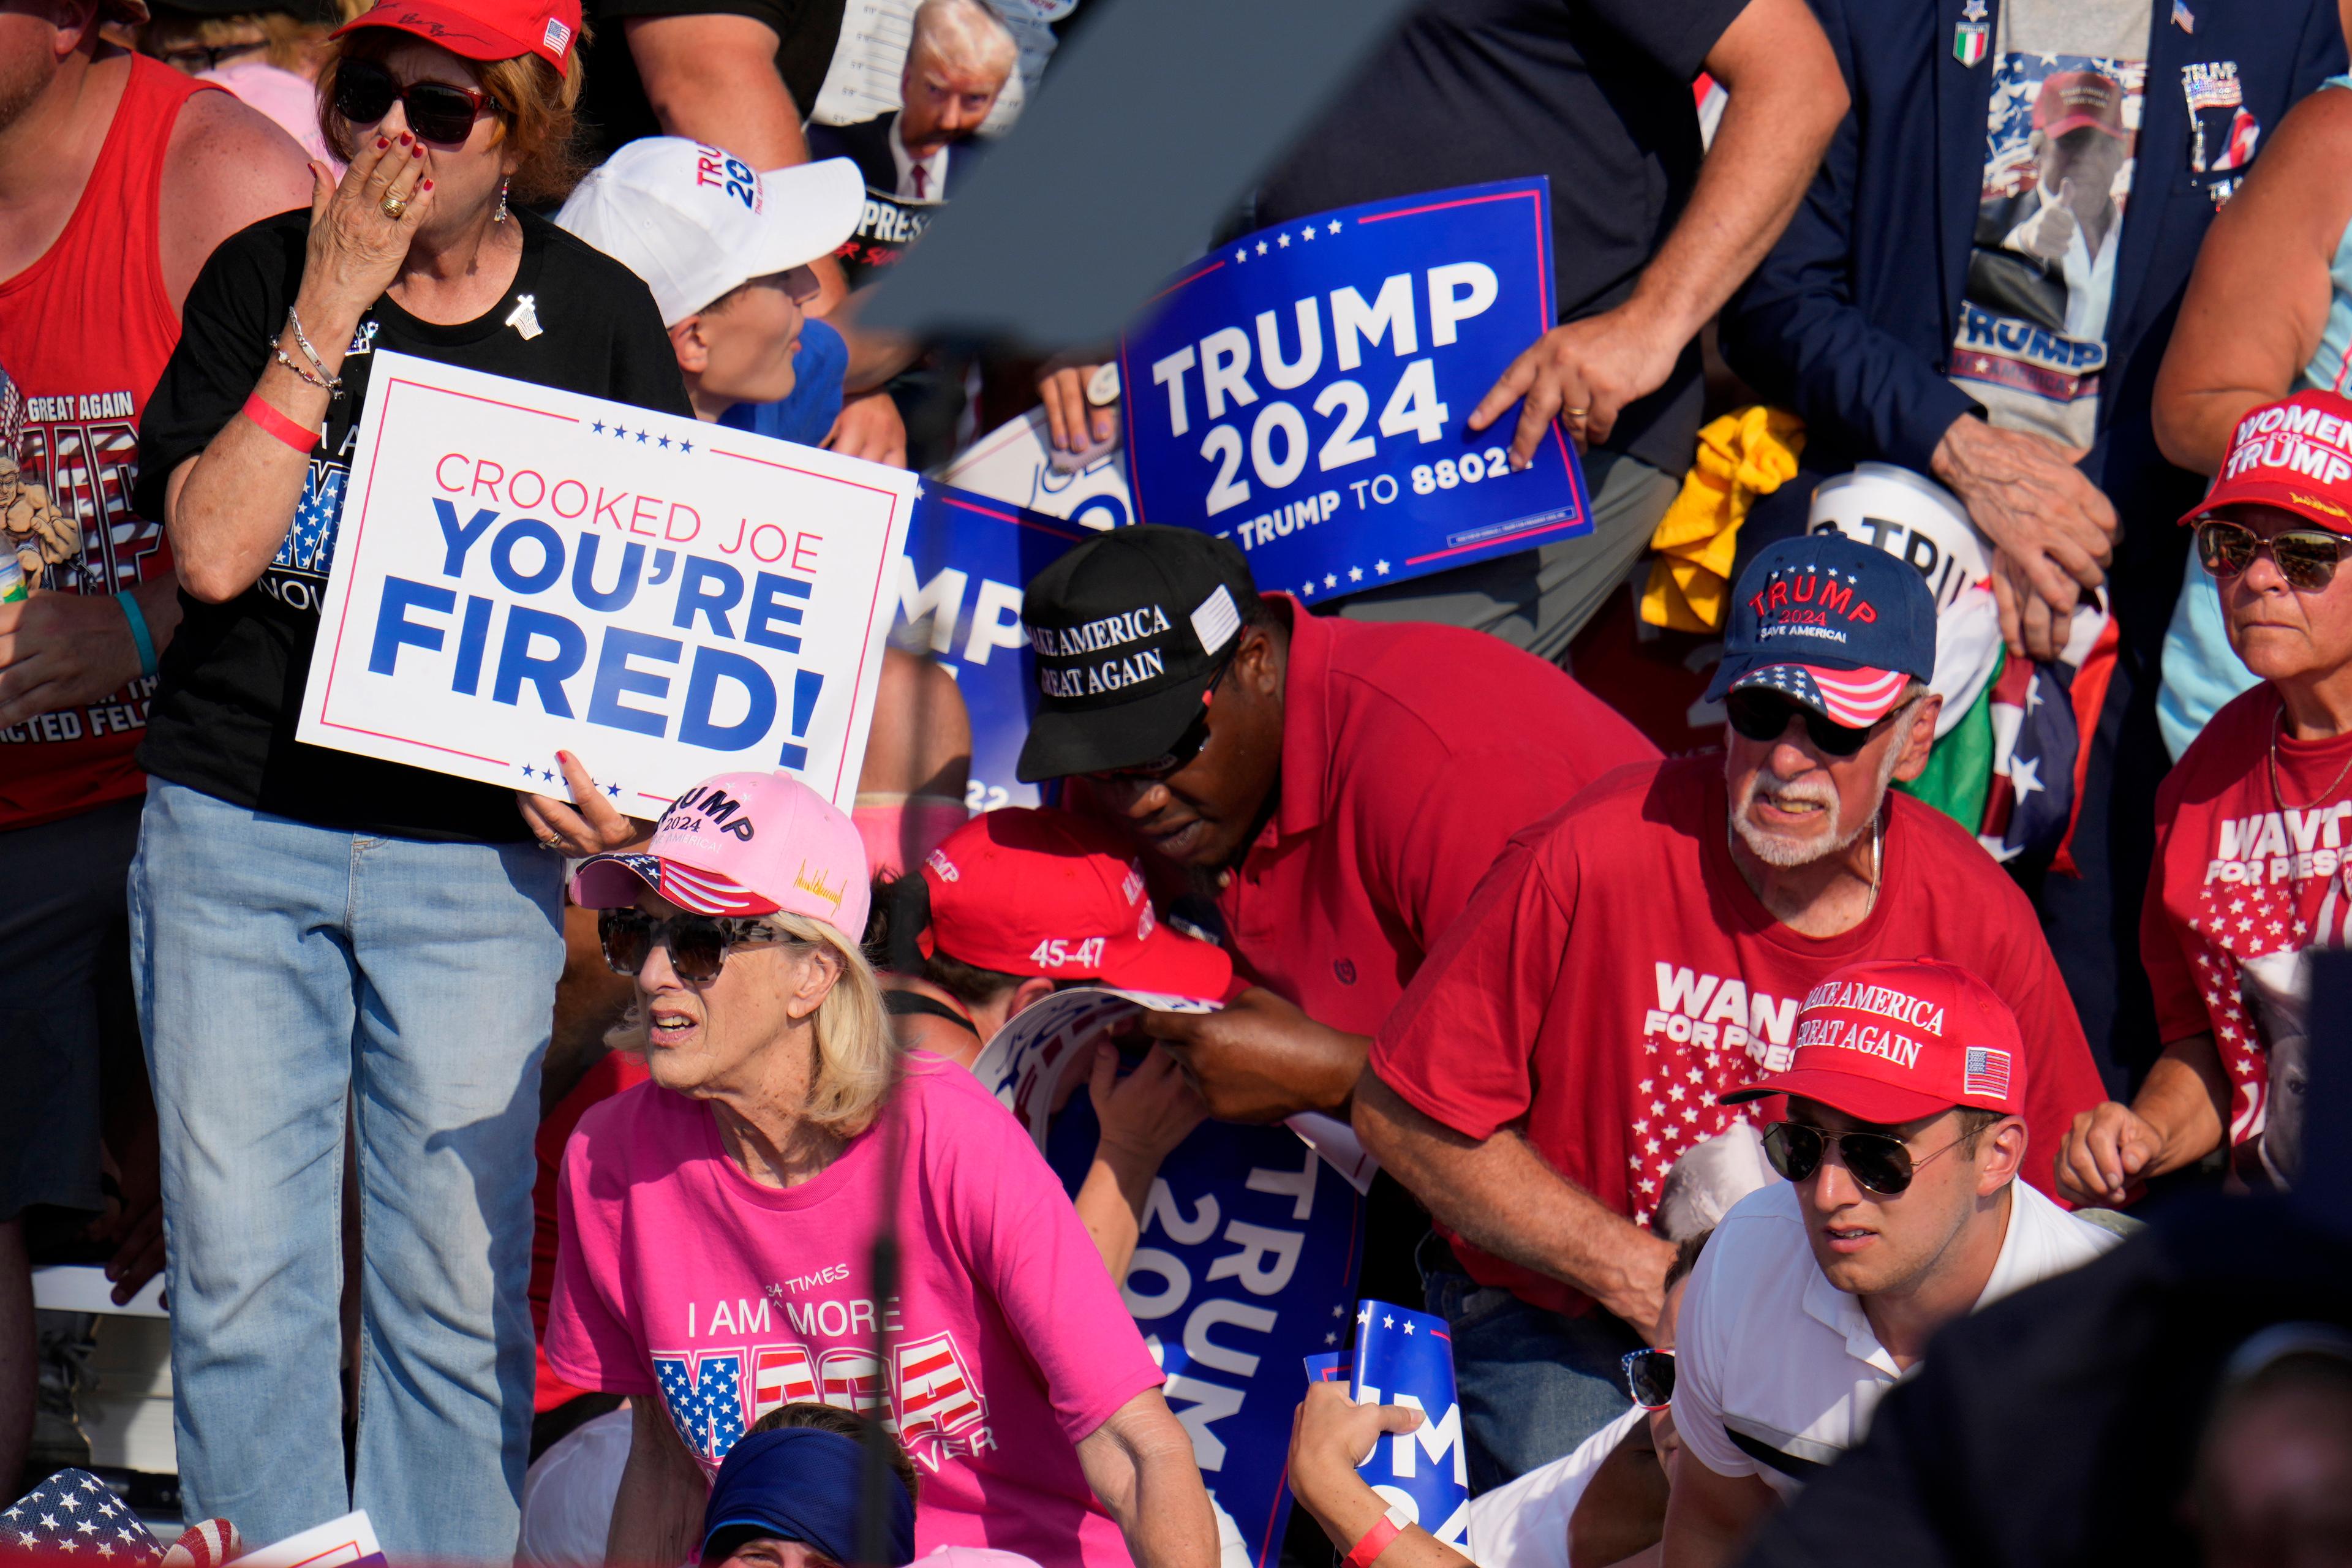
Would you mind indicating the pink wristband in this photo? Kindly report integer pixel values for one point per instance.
(279, 425)
(1375, 1541)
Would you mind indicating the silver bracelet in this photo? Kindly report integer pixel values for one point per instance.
(310, 354)
(302, 370)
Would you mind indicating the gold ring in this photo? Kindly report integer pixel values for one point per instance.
(394, 207)
(1574, 413)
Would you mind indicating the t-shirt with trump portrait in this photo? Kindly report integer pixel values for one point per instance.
(2253, 870)
(680, 1277)
(1614, 975)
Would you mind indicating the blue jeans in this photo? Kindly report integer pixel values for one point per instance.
(281, 968)
(1533, 1384)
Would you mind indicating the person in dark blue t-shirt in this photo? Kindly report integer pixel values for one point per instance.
(806, 413)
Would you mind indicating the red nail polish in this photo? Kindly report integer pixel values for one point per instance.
(425, 186)
(405, 138)
(417, 151)
(380, 143)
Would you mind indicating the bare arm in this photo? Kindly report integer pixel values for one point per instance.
(1261, 1058)
(228, 166)
(657, 1512)
(1143, 1116)
(1330, 1435)
(1710, 1517)
(1500, 1196)
(2179, 1116)
(1139, 1463)
(227, 508)
(712, 79)
(2258, 302)
(1786, 100)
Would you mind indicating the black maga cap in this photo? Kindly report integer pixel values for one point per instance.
(1127, 630)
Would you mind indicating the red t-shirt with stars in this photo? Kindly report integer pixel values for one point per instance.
(1613, 973)
(2251, 870)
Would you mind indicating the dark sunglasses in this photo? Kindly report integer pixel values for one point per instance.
(1879, 1161)
(1761, 715)
(698, 944)
(1178, 757)
(437, 110)
(1650, 1378)
(2305, 557)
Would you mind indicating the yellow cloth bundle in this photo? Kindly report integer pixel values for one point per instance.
(1748, 453)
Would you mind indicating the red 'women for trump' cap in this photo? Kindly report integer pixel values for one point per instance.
(2295, 455)
(1889, 1042)
(484, 29)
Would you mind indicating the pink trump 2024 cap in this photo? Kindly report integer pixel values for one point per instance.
(743, 844)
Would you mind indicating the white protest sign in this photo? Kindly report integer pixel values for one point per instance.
(522, 569)
(337, 1543)
(1014, 463)
(863, 80)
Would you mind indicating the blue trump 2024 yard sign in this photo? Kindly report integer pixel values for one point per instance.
(1305, 392)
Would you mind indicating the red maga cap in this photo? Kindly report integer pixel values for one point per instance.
(2070, 101)
(1890, 1042)
(2295, 453)
(484, 29)
(1037, 892)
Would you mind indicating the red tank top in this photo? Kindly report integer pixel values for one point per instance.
(84, 334)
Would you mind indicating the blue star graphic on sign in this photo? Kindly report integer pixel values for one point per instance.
(613, 790)
(641, 438)
(597, 428)
(619, 434)
(685, 445)
(665, 443)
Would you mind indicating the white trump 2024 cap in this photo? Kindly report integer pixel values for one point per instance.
(693, 221)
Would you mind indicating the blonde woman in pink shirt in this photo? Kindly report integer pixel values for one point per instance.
(718, 1223)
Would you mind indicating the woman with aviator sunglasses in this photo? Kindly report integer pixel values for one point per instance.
(314, 928)
(2251, 847)
(727, 1213)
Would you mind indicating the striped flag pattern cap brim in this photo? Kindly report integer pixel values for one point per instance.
(707, 892)
(1854, 698)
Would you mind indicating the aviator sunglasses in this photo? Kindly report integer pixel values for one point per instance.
(437, 110)
(1761, 715)
(1877, 1161)
(2305, 557)
(1650, 1378)
(698, 944)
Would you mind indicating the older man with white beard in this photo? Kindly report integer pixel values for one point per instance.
(1647, 947)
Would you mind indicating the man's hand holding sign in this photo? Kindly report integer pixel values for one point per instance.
(526, 577)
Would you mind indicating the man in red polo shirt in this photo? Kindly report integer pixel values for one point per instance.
(1338, 787)
(1638, 953)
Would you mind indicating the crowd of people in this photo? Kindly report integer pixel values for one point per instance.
(542, 1180)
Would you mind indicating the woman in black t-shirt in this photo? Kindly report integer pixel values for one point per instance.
(312, 926)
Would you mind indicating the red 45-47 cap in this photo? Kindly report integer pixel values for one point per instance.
(484, 29)
(1038, 892)
(1890, 1042)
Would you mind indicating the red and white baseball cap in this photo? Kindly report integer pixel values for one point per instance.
(2070, 101)
(483, 29)
(1887, 1042)
(2295, 453)
(695, 221)
(1045, 893)
(743, 844)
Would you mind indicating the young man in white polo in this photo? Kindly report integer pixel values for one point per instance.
(1902, 1141)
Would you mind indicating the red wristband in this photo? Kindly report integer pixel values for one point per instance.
(279, 425)
(1375, 1541)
